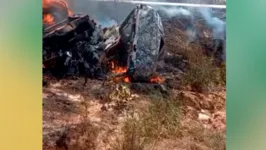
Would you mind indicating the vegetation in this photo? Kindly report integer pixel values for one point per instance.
(160, 120)
(202, 72)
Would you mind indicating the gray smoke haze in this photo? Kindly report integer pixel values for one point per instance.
(173, 11)
(112, 13)
(177, 12)
(216, 24)
(105, 13)
(192, 34)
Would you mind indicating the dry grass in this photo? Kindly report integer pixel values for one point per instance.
(160, 120)
(205, 138)
(160, 127)
(223, 73)
(76, 137)
(131, 138)
(202, 72)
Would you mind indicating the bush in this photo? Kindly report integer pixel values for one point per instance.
(161, 120)
(211, 139)
(202, 72)
(223, 73)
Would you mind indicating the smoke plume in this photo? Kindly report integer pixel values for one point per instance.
(105, 13)
(174, 11)
(216, 24)
(112, 13)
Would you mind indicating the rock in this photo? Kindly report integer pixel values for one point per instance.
(203, 117)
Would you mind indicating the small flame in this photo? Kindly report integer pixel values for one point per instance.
(48, 19)
(112, 65)
(117, 69)
(122, 79)
(70, 13)
(156, 79)
(126, 79)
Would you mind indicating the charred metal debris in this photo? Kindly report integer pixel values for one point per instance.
(78, 46)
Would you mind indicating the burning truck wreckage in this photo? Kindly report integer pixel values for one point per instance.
(124, 69)
(75, 45)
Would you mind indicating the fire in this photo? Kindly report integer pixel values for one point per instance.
(70, 13)
(46, 2)
(156, 79)
(48, 19)
(122, 79)
(66, 5)
(126, 79)
(117, 69)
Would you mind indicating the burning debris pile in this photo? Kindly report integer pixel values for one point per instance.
(78, 45)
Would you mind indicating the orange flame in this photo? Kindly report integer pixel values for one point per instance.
(46, 2)
(65, 3)
(122, 79)
(48, 19)
(156, 79)
(70, 13)
(117, 69)
(126, 79)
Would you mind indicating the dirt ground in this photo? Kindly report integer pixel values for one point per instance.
(71, 110)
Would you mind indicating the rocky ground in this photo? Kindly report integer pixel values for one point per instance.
(74, 115)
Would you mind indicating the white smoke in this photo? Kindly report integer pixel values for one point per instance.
(173, 11)
(112, 13)
(217, 25)
(179, 12)
(108, 22)
(105, 13)
(192, 34)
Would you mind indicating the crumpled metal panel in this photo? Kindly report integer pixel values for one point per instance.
(149, 33)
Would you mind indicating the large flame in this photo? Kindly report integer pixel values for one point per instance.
(48, 18)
